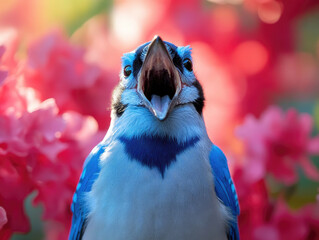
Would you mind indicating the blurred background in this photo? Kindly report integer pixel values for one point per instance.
(258, 62)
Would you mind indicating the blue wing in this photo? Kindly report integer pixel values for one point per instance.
(225, 188)
(78, 207)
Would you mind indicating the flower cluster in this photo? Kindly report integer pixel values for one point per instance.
(276, 145)
(66, 76)
(41, 147)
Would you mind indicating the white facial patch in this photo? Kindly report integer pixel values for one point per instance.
(188, 94)
(130, 97)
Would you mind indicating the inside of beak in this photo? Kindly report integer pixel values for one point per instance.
(159, 82)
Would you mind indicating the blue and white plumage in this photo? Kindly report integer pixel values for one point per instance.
(156, 175)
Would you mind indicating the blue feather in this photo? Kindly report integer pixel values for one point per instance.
(225, 188)
(78, 207)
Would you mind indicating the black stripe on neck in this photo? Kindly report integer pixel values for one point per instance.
(199, 102)
(117, 105)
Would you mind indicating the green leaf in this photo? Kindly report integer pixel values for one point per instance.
(73, 13)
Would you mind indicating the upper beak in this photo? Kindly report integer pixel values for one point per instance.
(159, 82)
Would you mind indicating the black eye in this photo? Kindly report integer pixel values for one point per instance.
(127, 71)
(188, 64)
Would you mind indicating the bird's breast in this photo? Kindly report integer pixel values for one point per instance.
(133, 199)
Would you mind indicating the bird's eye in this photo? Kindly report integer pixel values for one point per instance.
(188, 64)
(127, 71)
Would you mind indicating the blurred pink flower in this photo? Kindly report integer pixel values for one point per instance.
(14, 175)
(42, 129)
(284, 223)
(56, 230)
(59, 70)
(289, 224)
(4, 233)
(254, 203)
(80, 136)
(3, 72)
(10, 136)
(42, 150)
(310, 214)
(34, 130)
(277, 143)
(264, 218)
(3, 217)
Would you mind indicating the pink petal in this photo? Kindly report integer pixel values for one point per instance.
(46, 171)
(291, 225)
(255, 170)
(2, 50)
(283, 169)
(3, 217)
(313, 146)
(52, 149)
(271, 121)
(83, 130)
(3, 75)
(40, 51)
(266, 232)
(310, 170)
(306, 122)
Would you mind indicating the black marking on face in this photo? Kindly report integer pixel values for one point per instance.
(199, 102)
(178, 62)
(137, 63)
(117, 105)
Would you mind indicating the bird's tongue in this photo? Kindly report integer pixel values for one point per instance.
(160, 104)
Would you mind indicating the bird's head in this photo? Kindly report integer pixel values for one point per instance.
(158, 76)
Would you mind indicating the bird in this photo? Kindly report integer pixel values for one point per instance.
(156, 175)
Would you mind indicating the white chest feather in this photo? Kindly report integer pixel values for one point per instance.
(134, 202)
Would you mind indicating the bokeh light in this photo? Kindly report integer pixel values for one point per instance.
(250, 57)
(270, 11)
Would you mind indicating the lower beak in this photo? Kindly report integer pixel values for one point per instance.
(159, 82)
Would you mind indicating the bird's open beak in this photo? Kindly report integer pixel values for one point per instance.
(159, 82)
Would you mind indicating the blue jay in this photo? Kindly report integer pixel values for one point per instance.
(156, 175)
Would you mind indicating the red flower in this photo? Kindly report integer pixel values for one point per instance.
(58, 70)
(254, 203)
(42, 150)
(264, 218)
(277, 143)
(288, 224)
(14, 175)
(3, 72)
(3, 217)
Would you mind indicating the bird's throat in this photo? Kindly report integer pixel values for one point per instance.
(155, 151)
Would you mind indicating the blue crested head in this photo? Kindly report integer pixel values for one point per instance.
(158, 76)
(157, 106)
